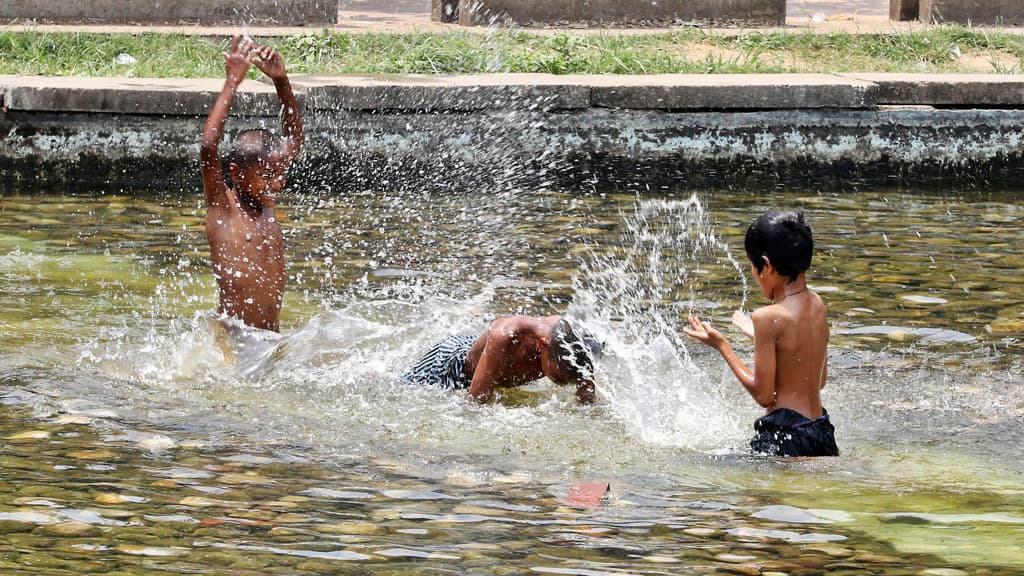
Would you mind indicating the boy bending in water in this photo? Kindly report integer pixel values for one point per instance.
(246, 244)
(790, 341)
(512, 352)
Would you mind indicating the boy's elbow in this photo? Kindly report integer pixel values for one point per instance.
(209, 144)
(764, 398)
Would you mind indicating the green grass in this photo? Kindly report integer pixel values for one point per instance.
(938, 49)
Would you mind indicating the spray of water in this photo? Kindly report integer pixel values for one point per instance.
(635, 294)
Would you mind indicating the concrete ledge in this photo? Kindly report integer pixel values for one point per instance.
(731, 92)
(133, 96)
(412, 92)
(953, 90)
(973, 12)
(424, 93)
(569, 92)
(223, 11)
(508, 131)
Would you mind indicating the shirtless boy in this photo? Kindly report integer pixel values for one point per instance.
(790, 341)
(246, 244)
(512, 351)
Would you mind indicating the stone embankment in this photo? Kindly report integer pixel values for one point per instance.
(509, 130)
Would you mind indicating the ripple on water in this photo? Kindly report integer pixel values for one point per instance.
(343, 555)
(788, 536)
(331, 494)
(782, 513)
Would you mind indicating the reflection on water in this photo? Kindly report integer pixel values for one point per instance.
(140, 439)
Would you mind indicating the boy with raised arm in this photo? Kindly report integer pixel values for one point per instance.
(790, 341)
(513, 351)
(246, 245)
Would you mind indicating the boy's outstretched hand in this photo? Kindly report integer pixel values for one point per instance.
(237, 59)
(744, 323)
(270, 62)
(702, 330)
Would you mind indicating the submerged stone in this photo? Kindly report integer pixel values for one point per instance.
(735, 558)
(702, 532)
(113, 499)
(29, 435)
(98, 454)
(161, 552)
(71, 529)
(352, 528)
(742, 569)
(15, 526)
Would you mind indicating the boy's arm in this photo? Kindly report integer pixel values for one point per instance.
(762, 386)
(236, 65)
(760, 382)
(492, 363)
(271, 63)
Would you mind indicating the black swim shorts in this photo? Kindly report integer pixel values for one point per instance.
(786, 432)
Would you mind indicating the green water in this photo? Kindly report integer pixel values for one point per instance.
(131, 446)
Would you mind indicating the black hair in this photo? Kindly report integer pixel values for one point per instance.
(573, 350)
(253, 147)
(785, 238)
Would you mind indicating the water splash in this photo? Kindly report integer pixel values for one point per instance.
(635, 294)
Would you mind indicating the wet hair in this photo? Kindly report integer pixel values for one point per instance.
(785, 238)
(253, 147)
(573, 350)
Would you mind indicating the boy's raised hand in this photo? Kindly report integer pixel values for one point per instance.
(237, 59)
(270, 62)
(744, 323)
(702, 330)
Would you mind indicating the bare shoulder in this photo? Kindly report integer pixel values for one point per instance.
(502, 327)
(771, 320)
(511, 327)
(770, 313)
(818, 312)
(221, 199)
(819, 304)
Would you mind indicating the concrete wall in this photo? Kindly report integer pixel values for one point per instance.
(996, 12)
(285, 12)
(497, 132)
(504, 12)
(903, 10)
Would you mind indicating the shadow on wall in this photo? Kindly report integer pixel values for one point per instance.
(386, 6)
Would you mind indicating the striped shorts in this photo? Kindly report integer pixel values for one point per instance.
(444, 364)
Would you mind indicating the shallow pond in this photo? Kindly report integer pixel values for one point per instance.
(133, 445)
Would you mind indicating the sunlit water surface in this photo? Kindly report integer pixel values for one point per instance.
(134, 443)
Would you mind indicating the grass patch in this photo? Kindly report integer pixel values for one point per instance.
(938, 49)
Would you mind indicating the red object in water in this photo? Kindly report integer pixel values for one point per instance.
(588, 494)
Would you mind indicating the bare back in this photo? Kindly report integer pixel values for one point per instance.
(801, 336)
(507, 354)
